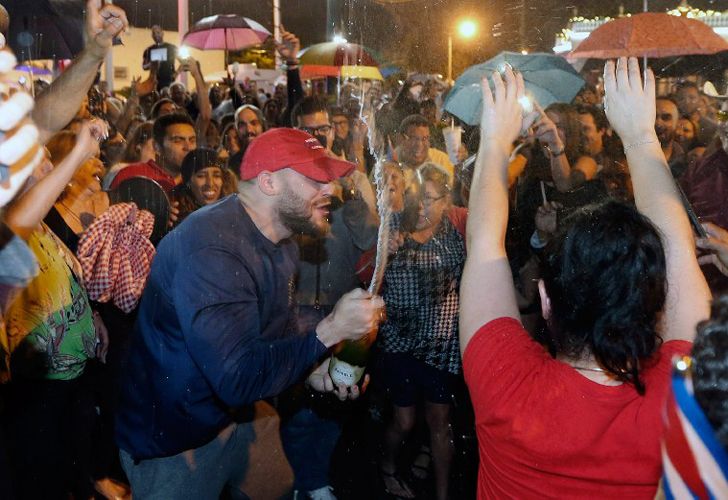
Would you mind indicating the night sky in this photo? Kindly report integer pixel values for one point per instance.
(411, 34)
(415, 33)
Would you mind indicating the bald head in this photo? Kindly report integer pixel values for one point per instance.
(157, 33)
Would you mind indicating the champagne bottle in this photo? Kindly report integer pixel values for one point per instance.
(349, 360)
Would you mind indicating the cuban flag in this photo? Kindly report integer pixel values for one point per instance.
(695, 464)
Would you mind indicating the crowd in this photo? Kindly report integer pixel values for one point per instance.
(177, 267)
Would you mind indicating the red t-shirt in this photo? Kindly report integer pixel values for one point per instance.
(546, 431)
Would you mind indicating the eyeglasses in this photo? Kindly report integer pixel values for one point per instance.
(320, 130)
(414, 138)
(429, 200)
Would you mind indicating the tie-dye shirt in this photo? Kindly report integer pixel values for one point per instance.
(50, 324)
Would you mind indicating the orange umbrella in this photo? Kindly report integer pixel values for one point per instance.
(650, 34)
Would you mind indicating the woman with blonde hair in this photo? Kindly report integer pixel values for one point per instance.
(419, 339)
(82, 200)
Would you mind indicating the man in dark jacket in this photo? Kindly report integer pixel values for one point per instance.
(217, 325)
(706, 185)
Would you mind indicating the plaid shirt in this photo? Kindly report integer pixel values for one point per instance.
(116, 255)
(421, 287)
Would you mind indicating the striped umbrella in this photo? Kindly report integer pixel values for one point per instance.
(337, 54)
(339, 59)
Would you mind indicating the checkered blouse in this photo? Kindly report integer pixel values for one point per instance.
(421, 286)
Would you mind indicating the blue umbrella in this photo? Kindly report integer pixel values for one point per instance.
(548, 79)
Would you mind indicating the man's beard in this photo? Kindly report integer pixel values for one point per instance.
(246, 139)
(664, 136)
(296, 214)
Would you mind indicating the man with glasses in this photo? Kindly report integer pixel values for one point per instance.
(350, 137)
(311, 425)
(311, 114)
(342, 132)
(706, 185)
(414, 149)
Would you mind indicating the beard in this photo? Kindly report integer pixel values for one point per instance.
(296, 214)
(664, 136)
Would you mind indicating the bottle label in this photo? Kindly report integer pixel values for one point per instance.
(342, 373)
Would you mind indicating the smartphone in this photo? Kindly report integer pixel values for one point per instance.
(694, 221)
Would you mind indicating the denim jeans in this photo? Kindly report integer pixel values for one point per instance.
(309, 441)
(309, 433)
(199, 474)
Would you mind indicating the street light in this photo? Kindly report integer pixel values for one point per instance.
(467, 29)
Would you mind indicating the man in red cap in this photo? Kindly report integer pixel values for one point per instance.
(216, 325)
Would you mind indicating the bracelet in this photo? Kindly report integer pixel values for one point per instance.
(627, 147)
(558, 153)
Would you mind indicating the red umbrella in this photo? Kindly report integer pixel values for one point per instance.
(650, 35)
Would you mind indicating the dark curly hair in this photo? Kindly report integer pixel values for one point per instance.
(605, 275)
(710, 368)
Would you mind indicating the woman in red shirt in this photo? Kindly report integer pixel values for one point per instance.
(578, 414)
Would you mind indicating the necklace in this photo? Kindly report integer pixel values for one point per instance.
(588, 369)
(85, 219)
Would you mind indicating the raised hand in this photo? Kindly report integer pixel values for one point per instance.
(90, 135)
(190, 64)
(503, 117)
(173, 214)
(134, 87)
(717, 244)
(628, 102)
(103, 24)
(147, 86)
(545, 130)
(289, 46)
(546, 218)
(359, 131)
(396, 240)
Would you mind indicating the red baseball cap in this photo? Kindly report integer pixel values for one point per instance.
(281, 148)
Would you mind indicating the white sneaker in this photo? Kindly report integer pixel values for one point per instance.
(325, 493)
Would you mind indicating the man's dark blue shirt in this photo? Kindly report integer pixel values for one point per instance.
(215, 332)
